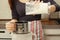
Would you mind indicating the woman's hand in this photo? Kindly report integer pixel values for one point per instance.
(52, 8)
(11, 26)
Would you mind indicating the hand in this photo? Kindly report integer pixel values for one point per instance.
(36, 2)
(52, 8)
(11, 26)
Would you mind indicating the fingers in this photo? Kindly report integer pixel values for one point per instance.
(10, 26)
(37, 0)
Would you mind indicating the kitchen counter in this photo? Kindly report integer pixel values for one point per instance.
(22, 36)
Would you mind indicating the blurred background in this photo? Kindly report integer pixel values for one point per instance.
(51, 23)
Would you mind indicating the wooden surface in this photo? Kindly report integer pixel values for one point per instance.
(49, 22)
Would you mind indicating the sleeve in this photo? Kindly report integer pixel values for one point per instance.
(13, 9)
(15, 14)
(54, 3)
